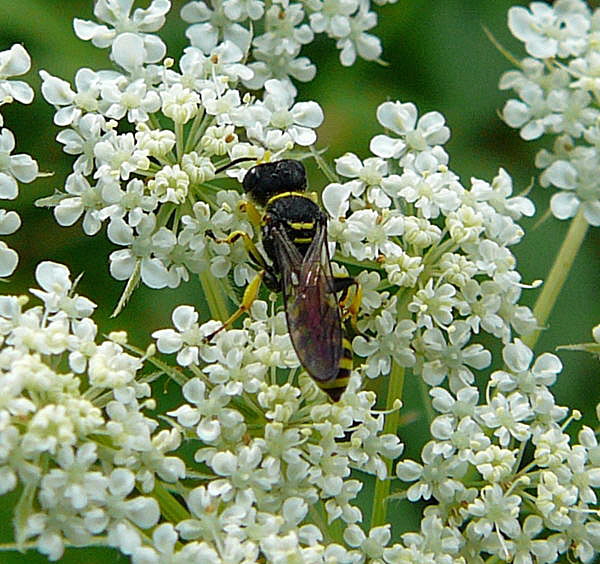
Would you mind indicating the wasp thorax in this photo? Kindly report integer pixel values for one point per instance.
(266, 180)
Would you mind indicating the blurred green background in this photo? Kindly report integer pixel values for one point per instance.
(438, 57)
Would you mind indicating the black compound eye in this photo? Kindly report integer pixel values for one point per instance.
(252, 179)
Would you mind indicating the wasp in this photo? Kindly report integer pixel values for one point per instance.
(297, 264)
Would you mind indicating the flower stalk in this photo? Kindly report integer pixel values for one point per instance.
(558, 274)
(394, 392)
(214, 296)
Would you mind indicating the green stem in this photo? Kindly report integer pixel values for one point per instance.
(426, 399)
(558, 274)
(179, 140)
(170, 508)
(392, 419)
(94, 542)
(192, 137)
(214, 295)
(324, 166)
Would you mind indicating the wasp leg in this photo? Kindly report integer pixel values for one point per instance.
(254, 216)
(249, 297)
(251, 249)
(349, 302)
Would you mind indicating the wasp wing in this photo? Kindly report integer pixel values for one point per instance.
(311, 307)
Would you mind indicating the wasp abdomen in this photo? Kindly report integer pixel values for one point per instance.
(335, 388)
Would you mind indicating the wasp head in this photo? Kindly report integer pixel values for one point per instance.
(266, 180)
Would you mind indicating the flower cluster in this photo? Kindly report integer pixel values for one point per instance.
(527, 507)
(557, 95)
(273, 454)
(437, 268)
(150, 186)
(436, 273)
(274, 35)
(275, 469)
(154, 186)
(73, 433)
(13, 168)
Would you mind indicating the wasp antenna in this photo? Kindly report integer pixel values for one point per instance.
(233, 163)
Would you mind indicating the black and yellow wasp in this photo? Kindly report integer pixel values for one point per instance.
(294, 237)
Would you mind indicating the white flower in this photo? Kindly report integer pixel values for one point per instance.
(72, 105)
(433, 304)
(333, 17)
(554, 500)
(199, 169)
(506, 415)
(49, 429)
(552, 449)
(281, 67)
(452, 359)
(13, 167)
(208, 416)
(519, 373)
(431, 192)
(85, 200)
(82, 139)
(8, 260)
(481, 305)
(369, 176)
(581, 189)
(110, 367)
(219, 139)
(339, 506)
(497, 195)
(525, 547)
(74, 482)
(494, 510)
(170, 184)
(124, 262)
(402, 269)
(356, 41)
(14, 62)
(239, 10)
(463, 405)
(433, 539)
(122, 23)
(222, 105)
(420, 232)
(369, 233)
(209, 27)
(297, 120)
(414, 135)
(9, 222)
(437, 476)
(551, 30)
(186, 341)
(179, 103)
(373, 545)
(464, 225)
(118, 156)
(532, 115)
(495, 464)
(223, 64)
(135, 203)
(158, 142)
(285, 32)
(135, 100)
(55, 281)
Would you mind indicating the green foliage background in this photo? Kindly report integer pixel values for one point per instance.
(438, 57)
